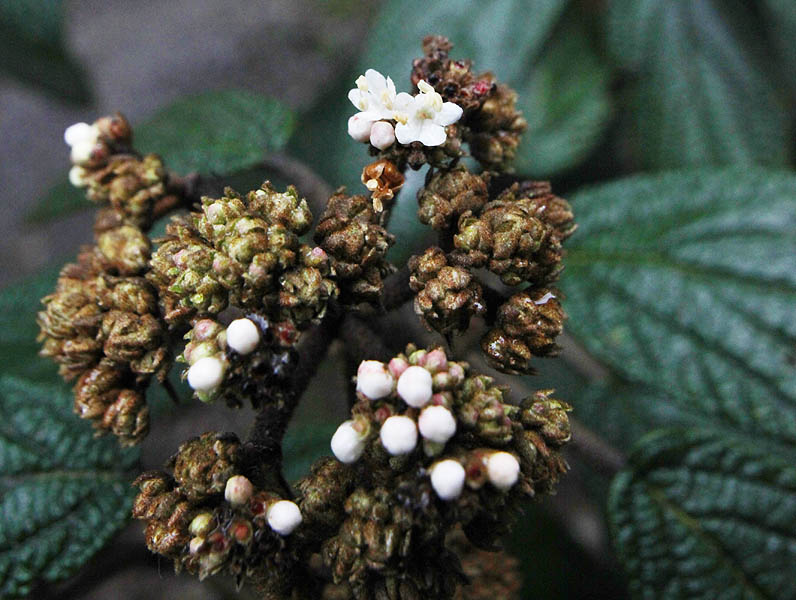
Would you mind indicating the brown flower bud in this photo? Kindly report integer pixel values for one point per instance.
(447, 297)
(448, 195)
(203, 465)
(125, 249)
(383, 179)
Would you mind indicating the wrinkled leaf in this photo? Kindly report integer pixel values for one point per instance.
(19, 303)
(63, 493)
(685, 283)
(217, 132)
(32, 49)
(705, 515)
(702, 94)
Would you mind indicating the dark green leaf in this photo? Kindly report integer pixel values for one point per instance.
(63, 493)
(217, 132)
(704, 515)
(781, 17)
(63, 199)
(685, 283)
(562, 86)
(19, 303)
(32, 49)
(702, 95)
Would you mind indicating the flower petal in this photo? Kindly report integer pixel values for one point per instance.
(432, 134)
(376, 81)
(407, 133)
(450, 113)
(358, 99)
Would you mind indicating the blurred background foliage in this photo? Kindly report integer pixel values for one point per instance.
(680, 283)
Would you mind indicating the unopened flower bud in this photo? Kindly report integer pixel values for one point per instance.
(437, 423)
(81, 152)
(79, 133)
(359, 128)
(243, 336)
(238, 490)
(284, 516)
(206, 374)
(77, 176)
(374, 380)
(382, 135)
(503, 469)
(348, 443)
(414, 386)
(447, 479)
(398, 435)
(195, 545)
(201, 524)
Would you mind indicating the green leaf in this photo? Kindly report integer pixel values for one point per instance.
(781, 18)
(562, 86)
(702, 95)
(704, 515)
(63, 493)
(19, 303)
(32, 49)
(61, 200)
(685, 283)
(219, 132)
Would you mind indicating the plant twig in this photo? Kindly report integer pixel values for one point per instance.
(595, 450)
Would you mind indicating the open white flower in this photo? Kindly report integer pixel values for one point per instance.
(424, 118)
(374, 96)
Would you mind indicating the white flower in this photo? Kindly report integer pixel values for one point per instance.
(243, 335)
(284, 516)
(382, 135)
(447, 478)
(374, 96)
(503, 469)
(424, 118)
(238, 490)
(414, 386)
(436, 423)
(206, 374)
(398, 435)
(374, 380)
(348, 444)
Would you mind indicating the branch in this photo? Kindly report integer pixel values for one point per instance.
(595, 450)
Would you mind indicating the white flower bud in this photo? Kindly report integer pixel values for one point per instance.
(447, 478)
(414, 386)
(374, 380)
(398, 435)
(77, 176)
(348, 444)
(503, 470)
(81, 152)
(238, 490)
(243, 335)
(436, 423)
(206, 374)
(81, 133)
(382, 135)
(284, 516)
(359, 128)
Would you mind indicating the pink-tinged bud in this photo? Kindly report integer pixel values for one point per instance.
(359, 128)
(238, 490)
(382, 135)
(397, 366)
(374, 381)
(436, 360)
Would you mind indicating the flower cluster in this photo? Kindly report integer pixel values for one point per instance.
(210, 517)
(434, 445)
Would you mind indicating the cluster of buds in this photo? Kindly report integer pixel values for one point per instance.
(244, 252)
(252, 357)
(208, 517)
(105, 330)
(518, 236)
(113, 174)
(434, 446)
(351, 232)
